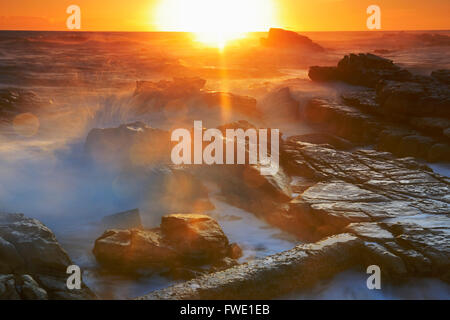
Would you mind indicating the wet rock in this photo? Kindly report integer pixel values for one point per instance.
(177, 88)
(279, 38)
(8, 287)
(235, 104)
(431, 126)
(133, 144)
(399, 95)
(273, 276)
(10, 259)
(223, 264)
(443, 75)
(342, 120)
(245, 187)
(30, 251)
(123, 220)
(183, 241)
(370, 231)
(447, 133)
(195, 236)
(360, 69)
(16, 101)
(364, 128)
(30, 289)
(391, 265)
(424, 98)
(133, 249)
(325, 138)
(177, 98)
(396, 203)
(439, 152)
(363, 100)
(235, 251)
(280, 106)
(323, 74)
(415, 145)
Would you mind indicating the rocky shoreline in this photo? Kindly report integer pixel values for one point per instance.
(355, 193)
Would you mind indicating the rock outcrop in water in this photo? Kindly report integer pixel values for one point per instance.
(133, 144)
(15, 101)
(279, 39)
(183, 242)
(423, 138)
(362, 69)
(407, 114)
(32, 263)
(177, 97)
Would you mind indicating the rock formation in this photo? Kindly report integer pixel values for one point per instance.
(32, 263)
(402, 113)
(175, 98)
(363, 208)
(279, 38)
(183, 242)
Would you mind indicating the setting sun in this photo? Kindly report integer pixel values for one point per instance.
(214, 22)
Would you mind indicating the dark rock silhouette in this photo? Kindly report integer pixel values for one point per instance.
(362, 69)
(279, 38)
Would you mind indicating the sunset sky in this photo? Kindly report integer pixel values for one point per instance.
(300, 15)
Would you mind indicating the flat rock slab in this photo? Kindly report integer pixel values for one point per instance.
(273, 276)
(397, 203)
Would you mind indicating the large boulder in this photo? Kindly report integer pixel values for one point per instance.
(133, 249)
(195, 236)
(134, 144)
(30, 253)
(182, 241)
(279, 38)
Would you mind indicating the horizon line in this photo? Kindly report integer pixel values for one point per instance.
(163, 31)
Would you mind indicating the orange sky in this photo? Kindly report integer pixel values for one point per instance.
(300, 15)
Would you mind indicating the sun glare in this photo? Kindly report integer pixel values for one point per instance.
(215, 22)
